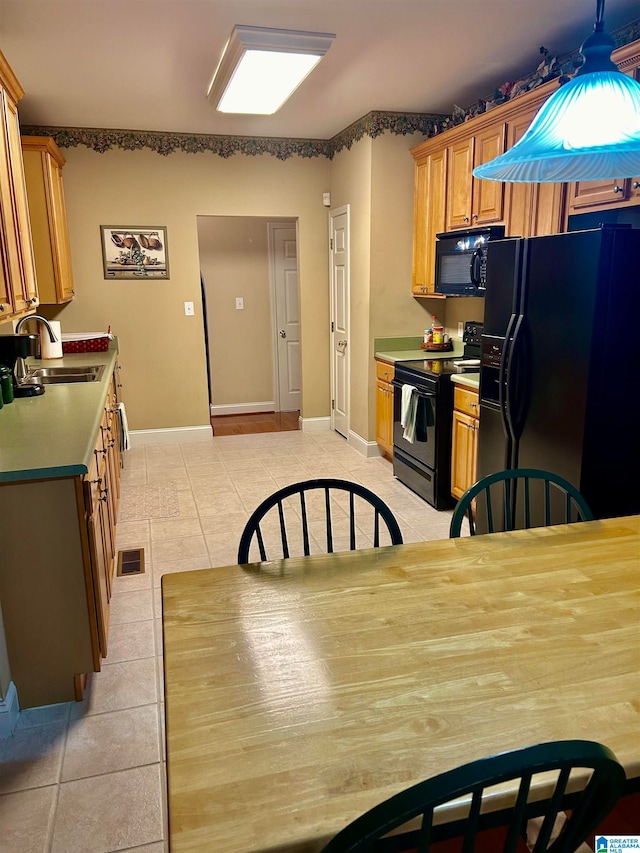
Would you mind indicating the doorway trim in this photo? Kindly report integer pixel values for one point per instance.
(340, 211)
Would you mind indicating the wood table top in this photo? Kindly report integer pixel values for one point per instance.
(301, 693)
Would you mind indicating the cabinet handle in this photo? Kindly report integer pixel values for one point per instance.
(33, 300)
(105, 496)
(636, 185)
(474, 216)
(617, 189)
(99, 480)
(1, 307)
(465, 218)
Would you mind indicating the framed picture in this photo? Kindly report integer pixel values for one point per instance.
(133, 252)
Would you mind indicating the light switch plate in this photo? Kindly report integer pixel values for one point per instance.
(239, 303)
(460, 330)
(188, 309)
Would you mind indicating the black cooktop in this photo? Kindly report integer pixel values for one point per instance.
(437, 366)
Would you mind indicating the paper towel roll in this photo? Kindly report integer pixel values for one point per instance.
(48, 348)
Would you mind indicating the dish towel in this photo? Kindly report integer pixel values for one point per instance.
(408, 411)
(125, 443)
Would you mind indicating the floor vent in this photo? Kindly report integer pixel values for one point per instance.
(130, 562)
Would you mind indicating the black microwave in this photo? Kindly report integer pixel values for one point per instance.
(461, 260)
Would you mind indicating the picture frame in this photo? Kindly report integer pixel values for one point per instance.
(134, 252)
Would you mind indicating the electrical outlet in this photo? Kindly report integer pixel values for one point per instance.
(460, 330)
(188, 309)
(239, 303)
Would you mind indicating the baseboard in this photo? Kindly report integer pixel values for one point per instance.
(315, 424)
(366, 448)
(242, 408)
(172, 435)
(9, 712)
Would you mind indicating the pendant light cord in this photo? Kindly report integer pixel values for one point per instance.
(599, 25)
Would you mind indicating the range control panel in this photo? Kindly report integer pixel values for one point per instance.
(472, 332)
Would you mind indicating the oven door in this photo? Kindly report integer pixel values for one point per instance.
(424, 447)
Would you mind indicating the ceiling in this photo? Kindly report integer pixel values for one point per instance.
(147, 64)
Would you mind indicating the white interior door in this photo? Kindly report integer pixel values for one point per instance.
(339, 250)
(284, 255)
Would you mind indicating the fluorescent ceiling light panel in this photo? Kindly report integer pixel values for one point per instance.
(261, 67)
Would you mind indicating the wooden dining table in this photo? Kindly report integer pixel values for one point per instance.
(300, 693)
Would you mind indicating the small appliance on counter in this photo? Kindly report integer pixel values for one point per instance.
(13, 347)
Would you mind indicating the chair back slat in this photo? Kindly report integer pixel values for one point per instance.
(371, 509)
(545, 498)
(553, 809)
(518, 816)
(305, 525)
(283, 530)
(471, 828)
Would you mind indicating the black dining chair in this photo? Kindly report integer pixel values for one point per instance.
(519, 498)
(326, 512)
(577, 807)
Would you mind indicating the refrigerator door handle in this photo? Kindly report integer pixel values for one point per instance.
(516, 391)
(503, 386)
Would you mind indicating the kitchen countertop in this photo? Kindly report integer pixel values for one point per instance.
(471, 380)
(408, 349)
(54, 435)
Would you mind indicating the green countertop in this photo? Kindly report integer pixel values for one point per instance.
(471, 380)
(54, 435)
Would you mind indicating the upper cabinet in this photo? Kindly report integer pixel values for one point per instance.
(428, 218)
(43, 163)
(18, 291)
(472, 202)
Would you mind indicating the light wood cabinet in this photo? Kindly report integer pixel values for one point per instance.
(384, 405)
(464, 445)
(471, 202)
(18, 290)
(428, 219)
(56, 574)
(43, 163)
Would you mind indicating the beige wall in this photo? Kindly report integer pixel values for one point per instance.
(234, 259)
(162, 351)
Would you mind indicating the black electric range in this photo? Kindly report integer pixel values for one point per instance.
(424, 463)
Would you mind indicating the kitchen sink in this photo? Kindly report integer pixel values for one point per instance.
(61, 375)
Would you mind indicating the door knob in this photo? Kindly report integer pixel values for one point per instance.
(342, 343)
(283, 334)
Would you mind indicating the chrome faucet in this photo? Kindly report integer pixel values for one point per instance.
(20, 368)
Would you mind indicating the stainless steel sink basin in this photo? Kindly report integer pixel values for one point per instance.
(60, 375)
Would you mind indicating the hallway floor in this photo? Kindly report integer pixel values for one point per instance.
(89, 777)
(256, 422)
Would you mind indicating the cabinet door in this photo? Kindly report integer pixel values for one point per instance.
(459, 183)
(98, 555)
(488, 196)
(430, 201)
(519, 197)
(384, 416)
(14, 202)
(586, 194)
(463, 453)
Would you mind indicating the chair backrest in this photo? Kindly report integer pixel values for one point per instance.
(589, 804)
(519, 498)
(323, 513)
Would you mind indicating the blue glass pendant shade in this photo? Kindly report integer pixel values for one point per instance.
(589, 129)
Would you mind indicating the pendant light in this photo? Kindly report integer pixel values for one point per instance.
(589, 129)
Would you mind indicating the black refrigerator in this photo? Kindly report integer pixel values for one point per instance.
(560, 362)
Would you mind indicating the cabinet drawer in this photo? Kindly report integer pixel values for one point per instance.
(466, 400)
(384, 370)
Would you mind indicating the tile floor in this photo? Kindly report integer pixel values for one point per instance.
(89, 777)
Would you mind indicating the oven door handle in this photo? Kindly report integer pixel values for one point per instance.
(428, 395)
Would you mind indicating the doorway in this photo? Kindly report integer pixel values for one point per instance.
(250, 294)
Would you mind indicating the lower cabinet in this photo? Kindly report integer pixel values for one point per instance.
(384, 406)
(56, 572)
(464, 447)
